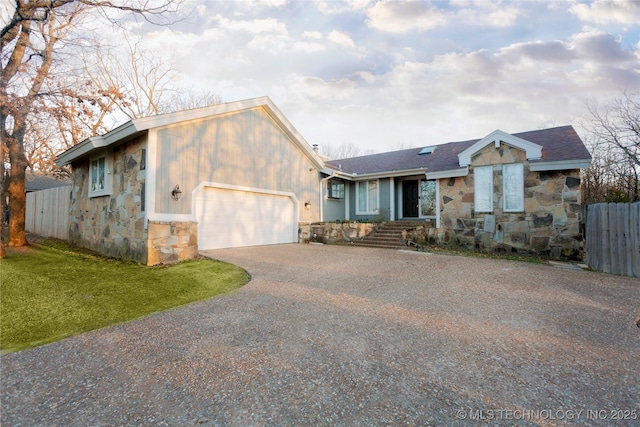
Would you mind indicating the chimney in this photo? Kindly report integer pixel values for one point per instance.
(315, 148)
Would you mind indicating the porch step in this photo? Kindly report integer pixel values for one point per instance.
(388, 235)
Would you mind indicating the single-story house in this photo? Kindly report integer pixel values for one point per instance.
(158, 189)
(504, 191)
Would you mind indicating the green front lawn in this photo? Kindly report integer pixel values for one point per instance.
(51, 290)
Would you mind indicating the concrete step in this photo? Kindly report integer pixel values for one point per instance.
(388, 235)
(384, 237)
(382, 245)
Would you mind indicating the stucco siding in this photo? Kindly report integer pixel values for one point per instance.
(245, 149)
(334, 209)
(384, 206)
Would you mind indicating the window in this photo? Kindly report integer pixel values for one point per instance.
(335, 190)
(427, 150)
(483, 188)
(513, 187)
(99, 176)
(143, 159)
(143, 196)
(367, 197)
(427, 198)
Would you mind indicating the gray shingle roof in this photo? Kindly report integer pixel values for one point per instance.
(558, 144)
(35, 181)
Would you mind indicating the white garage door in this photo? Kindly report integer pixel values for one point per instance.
(233, 218)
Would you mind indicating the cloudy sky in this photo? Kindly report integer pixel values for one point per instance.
(387, 75)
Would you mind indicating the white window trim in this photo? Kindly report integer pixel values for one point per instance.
(476, 204)
(392, 208)
(108, 175)
(437, 203)
(358, 211)
(505, 182)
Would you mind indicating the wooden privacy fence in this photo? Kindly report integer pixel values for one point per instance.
(48, 212)
(613, 238)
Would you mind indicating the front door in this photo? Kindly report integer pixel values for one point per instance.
(410, 199)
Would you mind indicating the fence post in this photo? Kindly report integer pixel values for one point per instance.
(634, 220)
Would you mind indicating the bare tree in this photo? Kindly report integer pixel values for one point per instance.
(192, 98)
(613, 132)
(32, 45)
(609, 179)
(137, 82)
(401, 145)
(343, 151)
(617, 124)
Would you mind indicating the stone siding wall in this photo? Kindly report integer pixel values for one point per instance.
(172, 242)
(112, 225)
(334, 232)
(549, 225)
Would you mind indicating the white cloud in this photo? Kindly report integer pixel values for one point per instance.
(608, 11)
(400, 17)
(274, 44)
(486, 13)
(180, 42)
(335, 7)
(313, 35)
(340, 38)
(273, 3)
(599, 46)
(547, 51)
(378, 74)
(502, 17)
(313, 89)
(308, 47)
(201, 10)
(256, 26)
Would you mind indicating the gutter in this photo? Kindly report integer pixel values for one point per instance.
(386, 174)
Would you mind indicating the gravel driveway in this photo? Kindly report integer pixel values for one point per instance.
(329, 335)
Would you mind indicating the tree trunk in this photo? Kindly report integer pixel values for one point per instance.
(17, 194)
(17, 207)
(3, 252)
(3, 187)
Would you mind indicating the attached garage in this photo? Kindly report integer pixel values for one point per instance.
(230, 217)
(222, 176)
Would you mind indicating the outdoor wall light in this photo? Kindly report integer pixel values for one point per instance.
(307, 204)
(176, 193)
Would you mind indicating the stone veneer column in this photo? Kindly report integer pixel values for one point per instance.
(171, 242)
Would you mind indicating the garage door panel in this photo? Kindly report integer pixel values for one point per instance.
(233, 218)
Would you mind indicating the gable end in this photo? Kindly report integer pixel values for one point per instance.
(533, 151)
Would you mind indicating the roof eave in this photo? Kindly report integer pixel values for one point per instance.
(451, 173)
(135, 126)
(377, 175)
(80, 150)
(90, 144)
(541, 166)
(285, 125)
